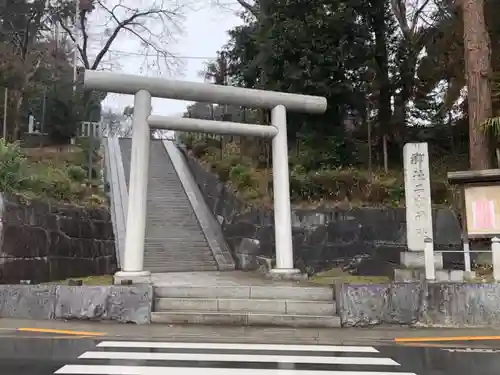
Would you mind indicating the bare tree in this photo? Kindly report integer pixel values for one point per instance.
(27, 47)
(150, 28)
(416, 20)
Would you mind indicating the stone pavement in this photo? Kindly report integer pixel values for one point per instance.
(227, 278)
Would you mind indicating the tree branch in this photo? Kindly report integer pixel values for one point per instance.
(83, 53)
(416, 15)
(127, 24)
(158, 50)
(399, 11)
(85, 36)
(251, 8)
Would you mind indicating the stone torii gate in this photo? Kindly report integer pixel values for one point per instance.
(144, 88)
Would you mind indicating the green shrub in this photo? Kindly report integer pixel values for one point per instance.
(213, 153)
(44, 178)
(12, 164)
(241, 176)
(214, 142)
(90, 155)
(207, 146)
(396, 193)
(222, 168)
(251, 194)
(76, 173)
(187, 140)
(54, 183)
(200, 149)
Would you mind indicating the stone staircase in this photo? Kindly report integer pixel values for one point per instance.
(174, 240)
(256, 305)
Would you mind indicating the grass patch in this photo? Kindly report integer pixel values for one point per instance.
(336, 275)
(89, 280)
(59, 174)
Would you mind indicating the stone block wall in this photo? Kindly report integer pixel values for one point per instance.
(446, 304)
(42, 241)
(370, 239)
(124, 304)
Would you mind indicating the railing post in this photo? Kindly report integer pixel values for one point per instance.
(133, 259)
(430, 269)
(495, 257)
(281, 192)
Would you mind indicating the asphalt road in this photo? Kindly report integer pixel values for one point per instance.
(43, 355)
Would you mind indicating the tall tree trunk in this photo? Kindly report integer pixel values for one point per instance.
(478, 72)
(407, 71)
(378, 25)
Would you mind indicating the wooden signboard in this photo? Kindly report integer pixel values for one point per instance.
(482, 208)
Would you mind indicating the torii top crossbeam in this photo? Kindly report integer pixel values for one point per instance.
(202, 92)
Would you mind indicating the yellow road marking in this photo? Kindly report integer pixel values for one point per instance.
(48, 337)
(61, 331)
(437, 339)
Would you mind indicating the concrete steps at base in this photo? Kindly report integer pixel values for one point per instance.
(166, 257)
(272, 292)
(239, 305)
(180, 267)
(253, 319)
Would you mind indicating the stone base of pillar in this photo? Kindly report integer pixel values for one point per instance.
(415, 259)
(135, 277)
(286, 274)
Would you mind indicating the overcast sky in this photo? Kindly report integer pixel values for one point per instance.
(204, 32)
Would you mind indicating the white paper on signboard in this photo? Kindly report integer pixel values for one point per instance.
(483, 214)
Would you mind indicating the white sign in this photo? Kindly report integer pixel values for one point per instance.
(417, 195)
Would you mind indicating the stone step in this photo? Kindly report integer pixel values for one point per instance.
(245, 319)
(296, 293)
(176, 232)
(158, 205)
(181, 263)
(186, 238)
(161, 242)
(179, 267)
(174, 239)
(239, 305)
(177, 255)
(166, 243)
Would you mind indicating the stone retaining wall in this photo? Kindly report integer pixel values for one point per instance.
(42, 241)
(419, 304)
(322, 238)
(124, 304)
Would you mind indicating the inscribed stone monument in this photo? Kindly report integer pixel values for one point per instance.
(417, 195)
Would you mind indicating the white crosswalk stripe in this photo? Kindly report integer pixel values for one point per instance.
(174, 358)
